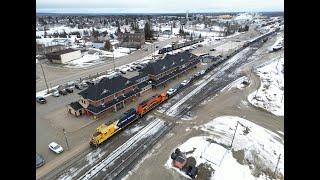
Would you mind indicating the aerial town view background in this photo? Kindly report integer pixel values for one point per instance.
(163, 95)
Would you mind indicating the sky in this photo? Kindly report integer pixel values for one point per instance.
(157, 6)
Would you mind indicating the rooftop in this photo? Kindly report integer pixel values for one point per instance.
(168, 62)
(106, 87)
(65, 51)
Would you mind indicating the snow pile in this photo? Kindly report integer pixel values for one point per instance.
(261, 147)
(270, 94)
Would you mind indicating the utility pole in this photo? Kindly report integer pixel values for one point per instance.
(65, 135)
(45, 80)
(274, 174)
(114, 65)
(234, 134)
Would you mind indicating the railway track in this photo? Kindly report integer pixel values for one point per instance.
(117, 161)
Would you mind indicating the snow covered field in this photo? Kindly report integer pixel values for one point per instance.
(270, 94)
(260, 147)
(98, 57)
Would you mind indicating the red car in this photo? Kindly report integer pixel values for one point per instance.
(180, 162)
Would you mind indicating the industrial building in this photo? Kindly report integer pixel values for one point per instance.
(131, 40)
(169, 67)
(64, 56)
(112, 94)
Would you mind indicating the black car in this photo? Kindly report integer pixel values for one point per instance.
(39, 160)
(192, 171)
(213, 49)
(78, 86)
(90, 83)
(41, 100)
(63, 92)
(69, 90)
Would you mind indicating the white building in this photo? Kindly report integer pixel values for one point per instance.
(98, 44)
(64, 56)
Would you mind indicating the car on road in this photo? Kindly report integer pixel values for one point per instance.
(185, 82)
(202, 72)
(213, 49)
(157, 47)
(171, 91)
(39, 160)
(55, 147)
(55, 93)
(63, 92)
(69, 90)
(200, 45)
(41, 100)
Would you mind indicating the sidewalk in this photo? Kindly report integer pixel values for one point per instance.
(62, 158)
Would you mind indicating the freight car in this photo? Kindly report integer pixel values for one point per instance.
(105, 131)
(180, 45)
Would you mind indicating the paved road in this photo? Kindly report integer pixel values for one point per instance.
(70, 75)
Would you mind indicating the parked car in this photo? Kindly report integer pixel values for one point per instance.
(84, 85)
(90, 83)
(55, 93)
(78, 86)
(41, 100)
(63, 92)
(202, 72)
(213, 49)
(157, 47)
(171, 91)
(139, 67)
(192, 171)
(122, 72)
(55, 148)
(185, 82)
(39, 160)
(69, 90)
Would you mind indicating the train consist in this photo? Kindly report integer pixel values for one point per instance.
(105, 131)
(180, 45)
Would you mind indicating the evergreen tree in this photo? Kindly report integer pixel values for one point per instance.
(174, 24)
(147, 31)
(199, 35)
(118, 27)
(107, 45)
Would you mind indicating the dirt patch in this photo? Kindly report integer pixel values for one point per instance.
(205, 171)
(238, 155)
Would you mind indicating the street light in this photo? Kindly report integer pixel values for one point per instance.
(45, 80)
(65, 135)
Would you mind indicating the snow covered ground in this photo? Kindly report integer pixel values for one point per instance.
(260, 147)
(270, 94)
(98, 57)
